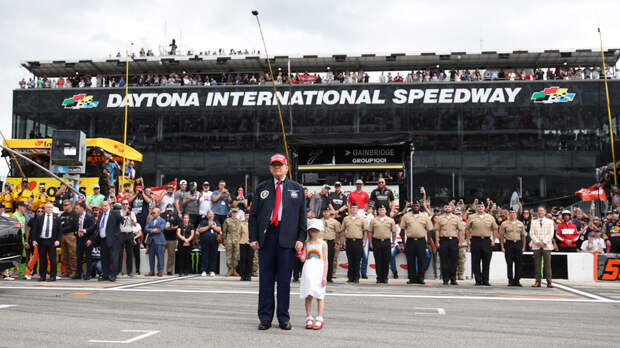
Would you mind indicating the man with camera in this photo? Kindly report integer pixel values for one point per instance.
(128, 224)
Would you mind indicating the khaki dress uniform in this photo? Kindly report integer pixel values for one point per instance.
(331, 236)
(448, 227)
(353, 229)
(383, 230)
(246, 253)
(482, 228)
(512, 237)
(416, 227)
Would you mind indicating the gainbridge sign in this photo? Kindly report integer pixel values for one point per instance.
(609, 267)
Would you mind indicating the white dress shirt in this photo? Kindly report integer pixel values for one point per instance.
(48, 219)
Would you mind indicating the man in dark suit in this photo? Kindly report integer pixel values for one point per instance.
(277, 227)
(47, 236)
(85, 229)
(109, 237)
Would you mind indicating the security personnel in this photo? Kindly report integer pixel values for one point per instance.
(415, 226)
(448, 234)
(382, 196)
(23, 194)
(277, 225)
(230, 236)
(353, 231)
(512, 239)
(481, 229)
(382, 233)
(331, 234)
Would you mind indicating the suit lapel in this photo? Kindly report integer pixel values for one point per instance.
(284, 197)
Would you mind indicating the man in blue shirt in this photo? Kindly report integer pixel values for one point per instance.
(155, 228)
(221, 202)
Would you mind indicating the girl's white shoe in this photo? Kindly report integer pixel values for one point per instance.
(318, 323)
(309, 323)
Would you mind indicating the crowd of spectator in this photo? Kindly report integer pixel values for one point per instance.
(190, 220)
(342, 77)
(214, 52)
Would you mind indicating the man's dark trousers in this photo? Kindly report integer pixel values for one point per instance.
(275, 264)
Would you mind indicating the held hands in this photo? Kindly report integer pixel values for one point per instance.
(460, 244)
(492, 243)
(298, 246)
(254, 245)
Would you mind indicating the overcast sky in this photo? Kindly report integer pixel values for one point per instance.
(95, 29)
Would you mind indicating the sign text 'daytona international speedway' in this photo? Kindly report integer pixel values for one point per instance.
(317, 97)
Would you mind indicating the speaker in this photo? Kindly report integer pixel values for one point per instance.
(68, 148)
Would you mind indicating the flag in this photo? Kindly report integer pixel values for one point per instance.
(592, 193)
(160, 191)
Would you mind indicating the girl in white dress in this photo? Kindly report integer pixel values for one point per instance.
(314, 273)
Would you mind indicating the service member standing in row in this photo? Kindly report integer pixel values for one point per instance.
(382, 231)
(331, 236)
(512, 239)
(448, 234)
(415, 226)
(481, 229)
(353, 230)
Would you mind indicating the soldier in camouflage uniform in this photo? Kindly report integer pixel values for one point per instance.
(460, 269)
(230, 235)
(337, 247)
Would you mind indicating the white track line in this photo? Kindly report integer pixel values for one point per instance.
(3, 306)
(581, 293)
(251, 292)
(128, 286)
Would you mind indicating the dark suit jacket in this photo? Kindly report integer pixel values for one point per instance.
(38, 229)
(113, 229)
(89, 225)
(293, 222)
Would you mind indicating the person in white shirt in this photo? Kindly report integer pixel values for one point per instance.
(204, 202)
(168, 198)
(594, 244)
(542, 231)
(128, 225)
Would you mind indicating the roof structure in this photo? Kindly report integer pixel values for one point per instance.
(319, 63)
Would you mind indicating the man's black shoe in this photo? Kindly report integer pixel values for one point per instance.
(286, 325)
(42, 279)
(453, 282)
(421, 282)
(411, 282)
(364, 276)
(77, 276)
(102, 279)
(445, 282)
(517, 283)
(330, 281)
(478, 283)
(264, 325)
(395, 275)
(295, 280)
(52, 279)
(112, 278)
(486, 284)
(169, 273)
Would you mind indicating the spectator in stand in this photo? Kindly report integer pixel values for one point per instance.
(170, 235)
(130, 171)
(221, 202)
(358, 197)
(154, 228)
(190, 203)
(128, 224)
(567, 233)
(113, 168)
(615, 198)
(204, 203)
(320, 202)
(526, 219)
(240, 201)
(104, 182)
(178, 198)
(185, 235)
(96, 199)
(126, 194)
(594, 244)
(613, 233)
(209, 229)
(166, 199)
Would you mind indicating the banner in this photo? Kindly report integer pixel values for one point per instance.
(592, 193)
(608, 267)
(52, 185)
(306, 78)
(159, 191)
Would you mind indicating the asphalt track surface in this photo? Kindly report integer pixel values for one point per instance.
(221, 312)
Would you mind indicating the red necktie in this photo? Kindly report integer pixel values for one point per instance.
(276, 208)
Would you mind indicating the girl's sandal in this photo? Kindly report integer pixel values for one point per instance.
(309, 323)
(318, 323)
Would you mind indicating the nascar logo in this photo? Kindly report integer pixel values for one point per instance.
(553, 95)
(80, 101)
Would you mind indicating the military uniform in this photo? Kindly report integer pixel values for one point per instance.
(512, 235)
(331, 234)
(416, 226)
(230, 236)
(448, 227)
(460, 269)
(246, 253)
(353, 229)
(383, 230)
(482, 228)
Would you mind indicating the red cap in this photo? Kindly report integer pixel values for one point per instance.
(138, 188)
(278, 158)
